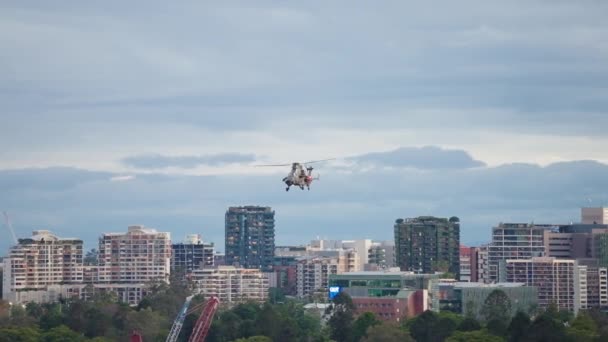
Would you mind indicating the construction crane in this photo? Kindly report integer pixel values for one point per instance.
(203, 323)
(201, 328)
(7, 221)
(179, 321)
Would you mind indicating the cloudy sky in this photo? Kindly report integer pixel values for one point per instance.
(152, 113)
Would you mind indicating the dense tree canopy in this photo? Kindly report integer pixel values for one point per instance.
(103, 319)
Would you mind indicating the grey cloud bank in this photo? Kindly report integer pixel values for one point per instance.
(348, 205)
(428, 157)
(157, 161)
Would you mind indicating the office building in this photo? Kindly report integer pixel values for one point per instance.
(390, 295)
(192, 254)
(594, 215)
(250, 237)
(428, 244)
(468, 298)
(231, 284)
(37, 267)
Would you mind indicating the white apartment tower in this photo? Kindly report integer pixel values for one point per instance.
(37, 263)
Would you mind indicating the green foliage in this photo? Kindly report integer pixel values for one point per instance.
(20, 334)
(469, 324)
(497, 327)
(518, 328)
(386, 332)
(473, 336)
(341, 314)
(62, 334)
(545, 328)
(151, 324)
(430, 326)
(281, 322)
(276, 295)
(362, 323)
(497, 306)
(254, 339)
(583, 328)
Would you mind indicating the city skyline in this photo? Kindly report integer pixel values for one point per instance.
(491, 114)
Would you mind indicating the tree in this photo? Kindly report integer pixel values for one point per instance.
(497, 306)
(62, 334)
(583, 328)
(341, 313)
(518, 327)
(469, 324)
(151, 324)
(276, 295)
(254, 339)
(497, 327)
(546, 329)
(20, 334)
(422, 328)
(91, 258)
(362, 323)
(387, 332)
(473, 336)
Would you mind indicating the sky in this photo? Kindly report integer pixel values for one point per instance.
(154, 113)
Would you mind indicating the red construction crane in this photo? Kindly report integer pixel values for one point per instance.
(203, 323)
(135, 336)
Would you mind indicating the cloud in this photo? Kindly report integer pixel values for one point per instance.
(157, 161)
(122, 178)
(360, 204)
(428, 157)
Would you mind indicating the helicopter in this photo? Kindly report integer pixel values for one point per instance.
(300, 174)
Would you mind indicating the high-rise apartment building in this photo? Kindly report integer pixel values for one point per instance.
(515, 241)
(382, 254)
(192, 254)
(250, 237)
(592, 285)
(466, 258)
(428, 244)
(312, 275)
(553, 278)
(139, 255)
(38, 263)
(231, 284)
(594, 215)
(480, 270)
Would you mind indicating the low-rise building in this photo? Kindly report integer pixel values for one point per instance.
(391, 295)
(468, 298)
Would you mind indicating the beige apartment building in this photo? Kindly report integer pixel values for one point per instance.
(231, 284)
(40, 267)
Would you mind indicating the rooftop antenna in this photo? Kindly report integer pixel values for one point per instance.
(9, 226)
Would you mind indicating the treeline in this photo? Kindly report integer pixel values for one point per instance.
(103, 318)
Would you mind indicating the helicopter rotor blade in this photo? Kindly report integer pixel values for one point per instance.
(318, 161)
(272, 165)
